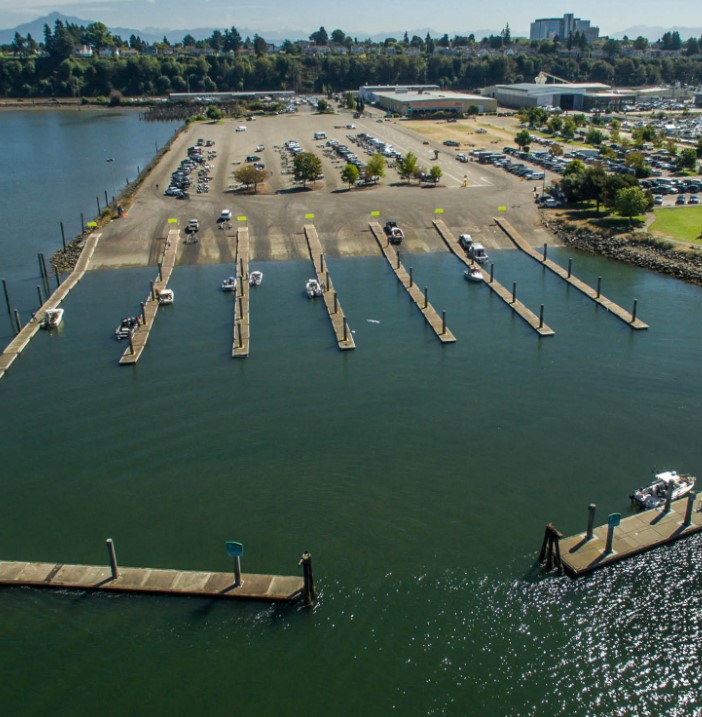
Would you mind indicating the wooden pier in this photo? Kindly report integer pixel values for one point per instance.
(271, 588)
(344, 337)
(634, 534)
(27, 333)
(240, 345)
(536, 322)
(437, 323)
(568, 277)
(138, 341)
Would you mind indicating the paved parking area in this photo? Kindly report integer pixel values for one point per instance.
(277, 213)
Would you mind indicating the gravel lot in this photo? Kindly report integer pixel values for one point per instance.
(276, 215)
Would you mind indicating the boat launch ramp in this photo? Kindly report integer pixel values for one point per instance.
(567, 276)
(138, 340)
(437, 323)
(509, 297)
(27, 332)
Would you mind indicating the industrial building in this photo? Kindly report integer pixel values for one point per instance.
(565, 95)
(562, 28)
(417, 102)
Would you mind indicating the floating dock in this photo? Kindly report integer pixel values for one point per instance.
(536, 322)
(634, 534)
(240, 345)
(344, 337)
(27, 333)
(568, 277)
(437, 323)
(138, 341)
(271, 588)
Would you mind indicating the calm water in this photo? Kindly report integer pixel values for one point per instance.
(419, 476)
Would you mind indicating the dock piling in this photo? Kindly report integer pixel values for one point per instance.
(63, 236)
(17, 321)
(541, 316)
(346, 330)
(426, 300)
(308, 592)
(321, 263)
(398, 259)
(113, 558)
(143, 313)
(492, 272)
(411, 277)
(633, 311)
(82, 223)
(688, 509)
(237, 571)
(590, 521)
(610, 539)
(58, 277)
(570, 267)
(160, 275)
(514, 291)
(336, 303)
(550, 549)
(443, 322)
(599, 286)
(46, 276)
(107, 201)
(41, 298)
(238, 332)
(545, 252)
(97, 199)
(7, 299)
(668, 497)
(131, 345)
(153, 294)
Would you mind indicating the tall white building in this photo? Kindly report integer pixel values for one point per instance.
(562, 28)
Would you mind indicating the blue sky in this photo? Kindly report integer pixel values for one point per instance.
(357, 16)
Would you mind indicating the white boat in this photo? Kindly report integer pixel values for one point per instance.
(313, 288)
(127, 327)
(255, 278)
(229, 284)
(473, 273)
(52, 318)
(655, 494)
(166, 296)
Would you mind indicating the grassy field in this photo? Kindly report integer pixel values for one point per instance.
(684, 223)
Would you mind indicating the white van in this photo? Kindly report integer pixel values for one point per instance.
(320, 135)
(241, 128)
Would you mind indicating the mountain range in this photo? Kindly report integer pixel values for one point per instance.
(155, 34)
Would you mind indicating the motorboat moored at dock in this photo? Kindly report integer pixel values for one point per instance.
(229, 284)
(127, 327)
(166, 296)
(52, 318)
(656, 494)
(473, 273)
(255, 278)
(313, 288)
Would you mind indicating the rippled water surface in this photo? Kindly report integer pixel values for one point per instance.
(419, 476)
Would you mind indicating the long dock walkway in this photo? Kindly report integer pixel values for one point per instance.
(536, 322)
(635, 534)
(272, 588)
(437, 323)
(568, 277)
(27, 333)
(138, 342)
(240, 345)
(344, 337)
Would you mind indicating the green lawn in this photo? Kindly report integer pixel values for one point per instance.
(684, 223)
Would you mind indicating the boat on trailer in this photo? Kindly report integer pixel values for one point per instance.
(655, 495)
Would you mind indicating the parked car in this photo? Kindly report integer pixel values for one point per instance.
(451, 143)
(225, 215)
(680, 199)
(193, 226)
(694, 199)
(658, 199)
(465, 240)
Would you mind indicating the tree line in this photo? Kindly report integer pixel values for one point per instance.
(57, 71)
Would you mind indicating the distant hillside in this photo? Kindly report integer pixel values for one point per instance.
(655, 33)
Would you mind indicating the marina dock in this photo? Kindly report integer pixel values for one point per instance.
(633, 535)
(138, 341)
(437, 323)
(568, 277)
(240, 345)
(27, 333)
(271, 588)
(536, 322)
(344, 337)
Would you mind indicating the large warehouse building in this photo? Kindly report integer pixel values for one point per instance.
(567, 96)
(417, 102)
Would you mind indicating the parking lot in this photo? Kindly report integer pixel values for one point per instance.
(470, 194)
